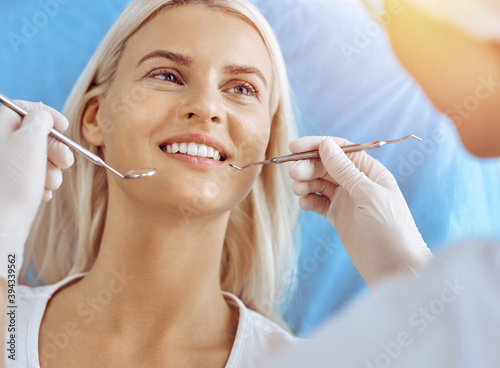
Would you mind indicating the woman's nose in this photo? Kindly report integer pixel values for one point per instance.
(202, 104)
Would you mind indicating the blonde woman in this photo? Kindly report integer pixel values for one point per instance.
(188, 267)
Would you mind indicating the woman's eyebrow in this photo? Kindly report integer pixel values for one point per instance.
(175, 57)
(243, 69)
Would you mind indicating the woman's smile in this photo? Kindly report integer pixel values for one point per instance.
(199, 150)
(205, 99)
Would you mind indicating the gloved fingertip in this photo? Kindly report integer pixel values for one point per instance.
(64, 123)
(328, 147)
(47, 195)
(294, 170)
(324, 141)
(296, 188)
(70, 159)
(332, 142)
(292, 146)
(304, 203)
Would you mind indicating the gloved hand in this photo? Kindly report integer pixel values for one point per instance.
(362, 200)
(26, 176)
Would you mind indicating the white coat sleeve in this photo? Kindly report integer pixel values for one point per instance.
(447, 318)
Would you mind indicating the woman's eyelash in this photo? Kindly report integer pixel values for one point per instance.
(253, 91)
(166, 74)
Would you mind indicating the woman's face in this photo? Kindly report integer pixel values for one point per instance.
(190, 95)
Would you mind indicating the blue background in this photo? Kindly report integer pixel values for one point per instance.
(346, 82)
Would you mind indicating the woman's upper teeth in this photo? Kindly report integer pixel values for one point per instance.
(193, 149)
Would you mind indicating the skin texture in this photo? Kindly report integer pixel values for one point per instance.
(165, 234)
(451, 67)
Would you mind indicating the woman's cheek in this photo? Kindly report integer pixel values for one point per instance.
(257, 140)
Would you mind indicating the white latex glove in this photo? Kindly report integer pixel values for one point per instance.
(30, 169)
(362, 200)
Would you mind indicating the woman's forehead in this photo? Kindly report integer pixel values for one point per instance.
(204, 35)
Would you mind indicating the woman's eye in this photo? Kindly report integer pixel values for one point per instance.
(165, 76)
(246, 90)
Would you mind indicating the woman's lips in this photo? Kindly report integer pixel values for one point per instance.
(195, 161)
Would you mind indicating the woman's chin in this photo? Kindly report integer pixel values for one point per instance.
(186, 202)
(182, 190)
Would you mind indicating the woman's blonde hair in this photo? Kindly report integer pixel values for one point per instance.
(258, 256)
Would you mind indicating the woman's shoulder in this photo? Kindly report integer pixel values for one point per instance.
(29, 294)
(257, 337)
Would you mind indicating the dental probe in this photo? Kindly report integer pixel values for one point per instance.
(315, 154)
(133, 174)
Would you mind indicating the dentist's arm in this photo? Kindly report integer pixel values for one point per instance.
(456, 59)
(30, 169)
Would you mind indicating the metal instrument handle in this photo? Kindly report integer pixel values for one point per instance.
(55, 133)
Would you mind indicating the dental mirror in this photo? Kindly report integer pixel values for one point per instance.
(140, 173)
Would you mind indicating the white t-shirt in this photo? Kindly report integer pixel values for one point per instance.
(256, 338)
(449, 317)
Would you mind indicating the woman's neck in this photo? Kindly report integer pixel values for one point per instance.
(159, 273)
